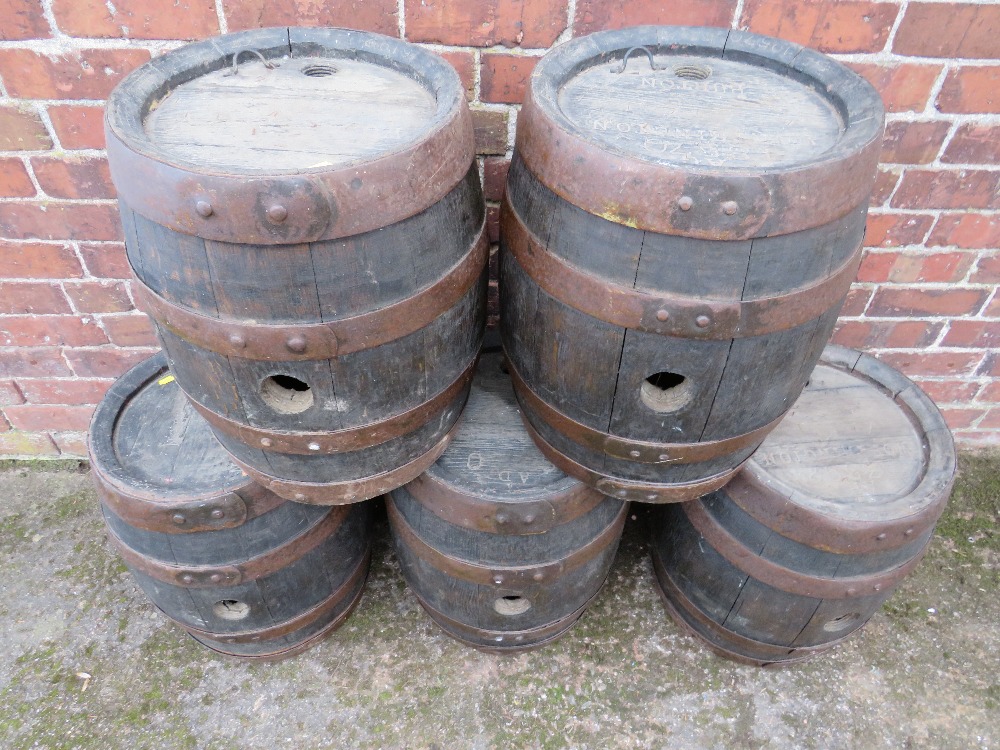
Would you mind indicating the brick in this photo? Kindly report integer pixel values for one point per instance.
(913, 142)
(137, 19)
(595, 15)
(77, 74)
(966, 230)
(107, 260)
(484, 23)
(881, 334)
(856, 301)
(104, 362)
(894, 230)
(22, 130)
(876, 267)
(971, 90)
(990, 393)
(37, 260)
(992, 309)
(21, 298)
(904, 88)
(990, 366)
(63, 391)
(976, 438)
(987, 270)
(17, 443)
(991, 421)
(50, 330)
(33, 362)
(491, 131)
(844, 26)
(22, 19)
(464, 64)
(129, 330)
(981, 334)
(99, 296)
(71, 443)
(78, 125)
(952, 188)
(10, 393)
(949, 391)
(957, 418)
(493, 223)
(903, 268)
(494, 177)
(74, 177)
(949, 30)
(492, 302)
(901, 303)
(49, 417)
(974, 144)
(55, 220)
(14, 180)
(936, 364)
(505, 77)
(366, 15)
(885, 182)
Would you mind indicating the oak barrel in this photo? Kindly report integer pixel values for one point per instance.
(822, 524)
(502, 549)
(305, 224)
(682, 221)
(245, 572)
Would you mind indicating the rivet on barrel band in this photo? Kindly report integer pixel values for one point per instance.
(729, 208)
(204, 209)
(296, 344)
(277, 213)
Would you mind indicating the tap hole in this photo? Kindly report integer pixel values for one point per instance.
(319, 70)
(286, 395)
(692, 72)
(511, 605)
(230, 609)
(665, 392)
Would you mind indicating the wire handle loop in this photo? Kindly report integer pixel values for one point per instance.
(646, 51)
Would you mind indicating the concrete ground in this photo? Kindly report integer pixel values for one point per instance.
(86, 662)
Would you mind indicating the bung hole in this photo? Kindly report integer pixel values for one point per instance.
(666, 391)
(286, 395)
(230, 609)
(511, 605)
(319, 70)
(841, 623)
(692, 72)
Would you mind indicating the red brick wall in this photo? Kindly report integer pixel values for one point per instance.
(925, 301)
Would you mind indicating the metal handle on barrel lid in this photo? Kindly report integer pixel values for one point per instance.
(628, 53)
(236, 61)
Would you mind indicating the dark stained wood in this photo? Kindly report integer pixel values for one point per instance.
(501, 480)
(151, 449)
(840, 497)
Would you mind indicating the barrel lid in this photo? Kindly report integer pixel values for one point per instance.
(288, 135)
(704, 132)
(862, 450)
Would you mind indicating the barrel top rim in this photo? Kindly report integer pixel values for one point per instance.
(106, 465)
(856, 101)
(133, 99)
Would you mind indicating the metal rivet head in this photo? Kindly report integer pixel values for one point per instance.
(662, 315)
(179, 519)
(877, 587)
(204, 208)
(215, 577)
(296, 344)
(663, 456)
(634, 454)
(908, 532)
(538, 576)
(187, 578)
(881, 536)
(501, 518)
(277, 213)
(237, 340)
(852, 592)
(299, 496)
(217, 514)
(729, 208)
(702, 321)
(622, 493)
(650, 497)
(498, 580)
(530, 518)
(313, 446)
(266, 442)
(684, 203)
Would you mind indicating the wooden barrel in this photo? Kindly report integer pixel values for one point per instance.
(304, 219)
(822, 524)
(502, 549)
(245, 572)
(683, 218)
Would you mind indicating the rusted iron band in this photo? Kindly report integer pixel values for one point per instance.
(484, 514)
(503, 577)
(669, 314)
(354, 491)
(627, 489)
(313, 614)
(503, 641)
(289, 343)
(338, 441)
(627, 449)
(318, 204)
(223, 576)
(168, 515)
(784, 579)
(706, 630)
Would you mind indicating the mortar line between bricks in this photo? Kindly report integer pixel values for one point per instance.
(737, 14)
(401, 18)
(50, 18)
(220, 11)
(43, 115)
(883, 56)
(890, 40)
(39, 192)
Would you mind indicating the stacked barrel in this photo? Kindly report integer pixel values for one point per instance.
(684, 215)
